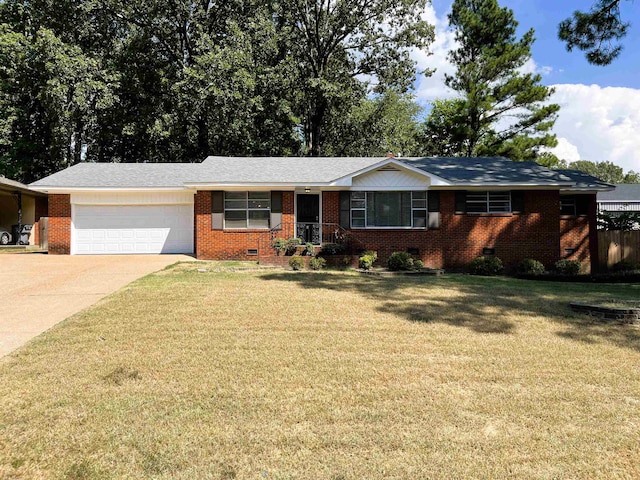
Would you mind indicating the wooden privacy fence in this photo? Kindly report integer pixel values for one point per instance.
(615, 245)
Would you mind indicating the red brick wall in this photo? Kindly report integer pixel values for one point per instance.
(59, 224)
(233, 244)
(461, 238)
(580, 234)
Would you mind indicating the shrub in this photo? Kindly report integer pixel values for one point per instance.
(292, 245)
(333, 249)
(317, 263)
(296, 262)
(568, 267)
(365, 262)
(418, 264)
(400, 261)
(279, 245)
(371, 254)
(309, 249)
(625, 266)
(529, 266)
(486, 266)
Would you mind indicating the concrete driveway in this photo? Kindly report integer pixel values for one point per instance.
(40, 290)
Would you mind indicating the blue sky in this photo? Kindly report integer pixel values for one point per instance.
(600, 106)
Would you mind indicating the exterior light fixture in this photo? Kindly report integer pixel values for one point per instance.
(307, 189)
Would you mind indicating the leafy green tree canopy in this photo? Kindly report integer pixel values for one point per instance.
(596, 32)
(605, 171)
(501, 109)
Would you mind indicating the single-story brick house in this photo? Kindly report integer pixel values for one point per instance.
(445, 211)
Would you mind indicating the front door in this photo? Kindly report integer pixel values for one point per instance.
(308, 218)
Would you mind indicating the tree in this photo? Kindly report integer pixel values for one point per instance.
(444, 131)
(595, 32)
(50, 95)
(502, 111)
(605, 171)
(385, 123)
(332, 44)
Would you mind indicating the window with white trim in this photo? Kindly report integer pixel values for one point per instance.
(488, 202)
(389, 209)
(247, 209)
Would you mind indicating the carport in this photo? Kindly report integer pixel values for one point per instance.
(19, 205)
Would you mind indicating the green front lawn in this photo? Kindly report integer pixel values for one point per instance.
(282, 375)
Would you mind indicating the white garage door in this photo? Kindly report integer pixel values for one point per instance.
(117, 229)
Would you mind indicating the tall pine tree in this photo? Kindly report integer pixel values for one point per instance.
(502, 110)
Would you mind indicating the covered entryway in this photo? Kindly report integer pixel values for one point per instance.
(308, 218)
(131, 223)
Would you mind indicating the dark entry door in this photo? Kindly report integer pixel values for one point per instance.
(308, 218)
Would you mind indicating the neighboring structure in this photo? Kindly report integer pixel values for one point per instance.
(20, 204)
(445, 211)
(625, 198)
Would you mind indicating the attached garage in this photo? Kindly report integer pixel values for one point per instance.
(131, 223)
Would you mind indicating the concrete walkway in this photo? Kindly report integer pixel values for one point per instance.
(37, 291)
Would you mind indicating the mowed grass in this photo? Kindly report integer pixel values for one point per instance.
(283, 375)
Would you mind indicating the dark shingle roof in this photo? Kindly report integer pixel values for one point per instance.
(624, 192)
(585, 181)
(489, 170)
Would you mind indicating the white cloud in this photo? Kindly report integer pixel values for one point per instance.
(430, 88)
(565, 150)
(602, 123)
(594, 123)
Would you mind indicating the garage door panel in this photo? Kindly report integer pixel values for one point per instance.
(115, 229)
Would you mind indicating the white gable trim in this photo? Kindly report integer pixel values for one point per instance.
(433, 180)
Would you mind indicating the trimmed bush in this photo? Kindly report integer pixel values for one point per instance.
(365, 262)
(279, 245)
(292, 245)
(529, 266)
(567, 267)
(296, 262)
(418, 264)
(625, 266)
(309, 249)
(370, 253)
(333, 249)
(317, 263)
(486, 265)
(400, 261)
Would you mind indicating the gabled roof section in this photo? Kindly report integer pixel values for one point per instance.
(390, 165)
(120, 175)
(336, 172)
(279, 170)
(624, 192)
(583, 181)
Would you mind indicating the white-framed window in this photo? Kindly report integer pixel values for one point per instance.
(389, 209)
(488, 202)
(247, 209)
(568, 205)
